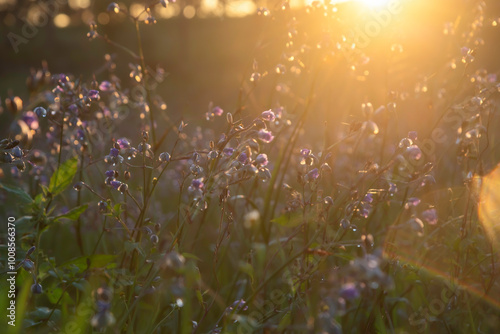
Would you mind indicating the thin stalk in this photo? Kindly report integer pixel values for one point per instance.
(78, 203)
(100, 236)
(143, 71)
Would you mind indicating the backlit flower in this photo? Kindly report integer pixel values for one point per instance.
(266, 136)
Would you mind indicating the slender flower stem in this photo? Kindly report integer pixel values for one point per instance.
(100, 236)
(117, 45)
(78, 203)
(144, 78)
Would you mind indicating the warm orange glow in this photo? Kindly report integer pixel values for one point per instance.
(374, 3)
(489, 210)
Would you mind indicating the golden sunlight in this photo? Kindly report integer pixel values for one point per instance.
(489, 205)
(373, 3)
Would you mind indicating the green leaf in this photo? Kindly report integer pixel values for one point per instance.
(55, 294)
(117, 209)
(63, 176)
(25, 222)
(73, 214)
(39, 200)
(42, 313)
(79, 286)
(17, 192)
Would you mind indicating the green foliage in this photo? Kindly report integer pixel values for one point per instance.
(63, 176)
(19, 193)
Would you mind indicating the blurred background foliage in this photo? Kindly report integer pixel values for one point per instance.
(207, 48)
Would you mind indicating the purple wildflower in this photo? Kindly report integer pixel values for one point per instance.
(268, 115)
(110, 173)
(349, 291)
(312, 175)
(262, 159)
(430, 216)
(106, 86)
(93, 95)
(31, 120)
(307, 158)
(243, 158)
(123, 142)
(239, 305)
(197, 184)
(114, 152)
(115, 184)
(364, 209)
(266, 136)
(217, 111)
(414, 152)
(61, 77)
(305, 152)
(368, 198)
(228, 151)
(73, 108)
(412, 202)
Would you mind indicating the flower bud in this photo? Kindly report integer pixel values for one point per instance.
(36, 288)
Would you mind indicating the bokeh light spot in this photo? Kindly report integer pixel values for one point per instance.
(189, 12)
(62, 20)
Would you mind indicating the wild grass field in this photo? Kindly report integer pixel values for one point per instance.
(314, 167)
